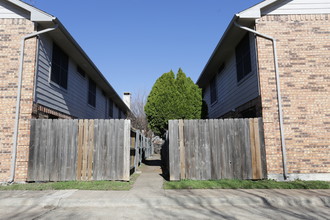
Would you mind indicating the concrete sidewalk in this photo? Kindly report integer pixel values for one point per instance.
(147, 200)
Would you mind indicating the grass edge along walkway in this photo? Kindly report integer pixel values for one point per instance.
(245, 184)
(80, 185)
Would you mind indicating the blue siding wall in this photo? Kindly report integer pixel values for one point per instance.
(230, 93)
(73, 100)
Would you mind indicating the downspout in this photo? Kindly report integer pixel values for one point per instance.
(18, 100)
(279, 97)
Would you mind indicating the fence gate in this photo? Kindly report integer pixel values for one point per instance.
(62, 150)
(216, 149)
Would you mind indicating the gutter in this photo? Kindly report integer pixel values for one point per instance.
(18, 100)
(279, 97)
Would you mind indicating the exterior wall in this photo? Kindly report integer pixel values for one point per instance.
(11, 32)
(242, 111)
(230, 93)
(303, 56)
(71, 101)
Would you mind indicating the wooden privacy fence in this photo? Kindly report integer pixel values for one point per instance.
(216, 149)
(141, 148)
(63, 150)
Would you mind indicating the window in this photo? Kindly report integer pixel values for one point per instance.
(91, 93)
(213, 88)
(81, 71)
(110, 111)
(243, 58)
(221, 68)
(60, 63)
(119, 114)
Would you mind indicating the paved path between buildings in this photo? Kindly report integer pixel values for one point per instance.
(147, 200)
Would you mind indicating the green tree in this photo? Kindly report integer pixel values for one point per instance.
(172, 98)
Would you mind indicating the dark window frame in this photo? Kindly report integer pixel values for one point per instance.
(243, 58)
(213, 90)
(110, 109)
(91, 93)
(81, 71)
(60, 66)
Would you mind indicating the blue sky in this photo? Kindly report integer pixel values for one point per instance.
(134, 42)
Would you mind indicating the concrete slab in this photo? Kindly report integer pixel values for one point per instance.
(147, 200)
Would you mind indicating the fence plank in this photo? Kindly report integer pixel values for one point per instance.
(262, 149)
(222, 149)
(32, 150)
(49, 152)
(84, 151)
(74, 145)
(90, 149)
(110, 174)
(137, 149)
(187, 143)
(217, 149)
(104, 151)
(201, 148)
(207, 152)
(80, 149)
(253, 149)
(98, 147)
(66, 149)
(119, 130)
(229, 150)
(247, 151)
(174, 151)
(213, 148)
(257, 149)
(182, 150)
(126, 150)
(196, 149)
(55, 145)
(234, 149)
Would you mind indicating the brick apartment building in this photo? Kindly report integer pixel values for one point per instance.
(58, 81)
(241, 80)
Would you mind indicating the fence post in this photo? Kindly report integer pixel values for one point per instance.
(182, 150)
(126, 155)
(174, 151)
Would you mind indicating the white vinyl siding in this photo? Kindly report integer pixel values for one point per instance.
(299, 7)
(72, 101)
(230, 93)
(9, 11)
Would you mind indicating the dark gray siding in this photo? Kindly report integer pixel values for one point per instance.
(71, 101)
(230, 93)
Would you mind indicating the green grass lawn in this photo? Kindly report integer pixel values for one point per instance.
(245, 184)
(90, 185)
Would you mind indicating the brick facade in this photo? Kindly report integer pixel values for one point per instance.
(11, 33)
(303, 56)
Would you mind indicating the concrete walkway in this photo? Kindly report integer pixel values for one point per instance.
(150, 180)
(147, 200)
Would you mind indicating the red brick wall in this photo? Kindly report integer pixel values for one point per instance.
(11, 32)
(304, 65)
